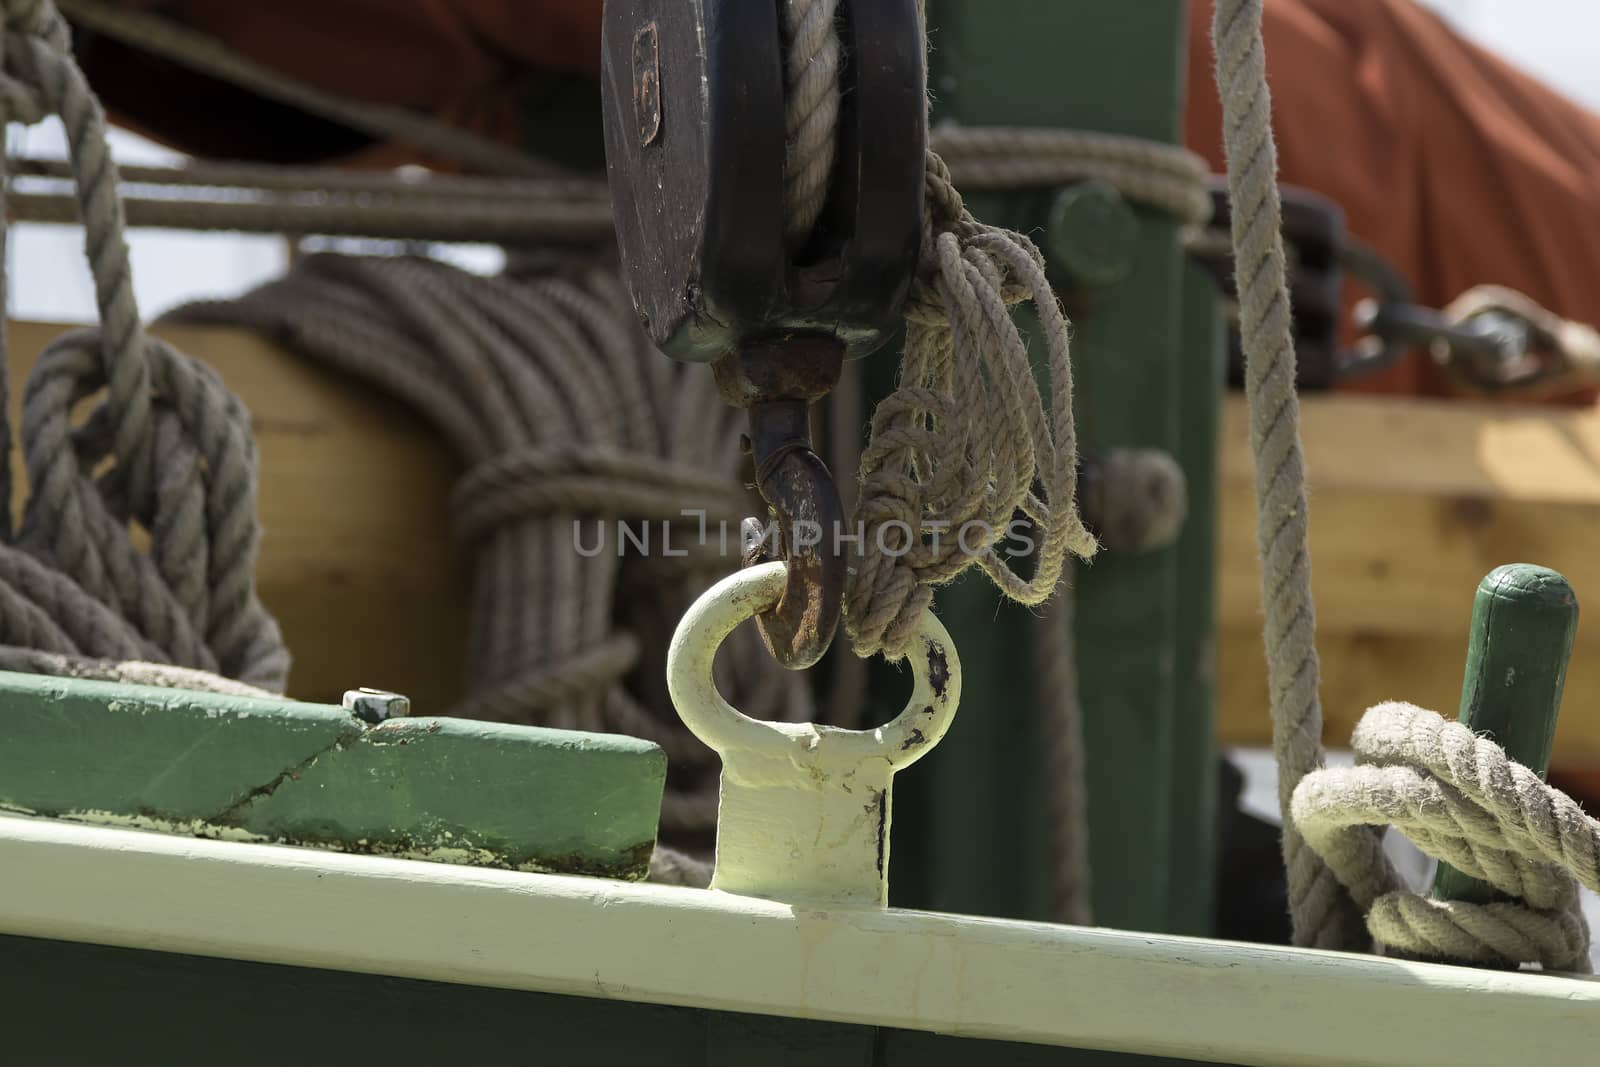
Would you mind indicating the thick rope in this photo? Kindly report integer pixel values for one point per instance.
(1164, 177)
(569, 424)
(1461, 800)
(812, 69)
(167, 452)
(162, 37)
(1323, 913)
(1457, 796)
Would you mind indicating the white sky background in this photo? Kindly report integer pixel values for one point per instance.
(1554, 39)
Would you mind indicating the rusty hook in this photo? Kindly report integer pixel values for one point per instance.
(800, 490)
(776, 383)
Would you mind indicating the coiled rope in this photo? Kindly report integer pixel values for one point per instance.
(167, 451)
(1456, 795)
(570, 426)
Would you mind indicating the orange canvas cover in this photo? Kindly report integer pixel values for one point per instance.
(1457, 167)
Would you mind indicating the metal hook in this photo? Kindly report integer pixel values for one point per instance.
(776, 382)
(800, 490)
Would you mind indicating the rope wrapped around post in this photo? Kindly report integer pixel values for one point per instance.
(1461, 800)
(1457, 795)
(168, 450)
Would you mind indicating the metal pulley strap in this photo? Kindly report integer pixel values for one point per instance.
(697, 156)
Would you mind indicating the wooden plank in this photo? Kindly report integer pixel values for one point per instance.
(973, 977)
(1412, 502)
(357, 561)
(274, 770)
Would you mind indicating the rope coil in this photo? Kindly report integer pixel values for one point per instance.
(167, 451)
(570, 427)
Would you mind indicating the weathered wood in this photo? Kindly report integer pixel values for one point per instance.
(1066, 986)
(307, 774)
(1523, 619)
(1412, 502)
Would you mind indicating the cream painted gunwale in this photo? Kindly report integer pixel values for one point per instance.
(1088, 988)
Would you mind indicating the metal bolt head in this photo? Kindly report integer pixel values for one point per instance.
(1091, 235)
(376, 705)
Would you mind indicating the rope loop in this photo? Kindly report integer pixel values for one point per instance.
(1460, 799)
(167, 449)
(957, 451)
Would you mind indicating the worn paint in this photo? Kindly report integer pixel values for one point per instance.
(979, 977)
(805, 810)
(445, 790)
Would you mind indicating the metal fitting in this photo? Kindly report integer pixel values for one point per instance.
(373, 706)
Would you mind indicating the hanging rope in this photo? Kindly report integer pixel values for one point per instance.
(1323, 913)
(570, 426)
(1456, 795)
(167, 451)
(965, 441)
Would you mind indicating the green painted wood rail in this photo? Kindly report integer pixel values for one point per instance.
(451, 790)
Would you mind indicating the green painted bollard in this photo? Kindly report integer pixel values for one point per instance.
(1523, 621)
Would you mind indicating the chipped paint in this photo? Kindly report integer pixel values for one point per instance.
(278, 771)
(792, 824)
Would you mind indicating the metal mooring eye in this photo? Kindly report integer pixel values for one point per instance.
(805, 809)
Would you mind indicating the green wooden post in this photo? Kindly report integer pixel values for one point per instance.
(1202, 378)
(1116, 68)
(1523, 621)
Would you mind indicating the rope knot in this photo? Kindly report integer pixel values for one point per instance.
(1463, 801)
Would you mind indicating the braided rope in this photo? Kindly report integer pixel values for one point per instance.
(812, 70)
(1324, 916)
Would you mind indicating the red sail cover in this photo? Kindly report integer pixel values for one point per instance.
(1457, 167)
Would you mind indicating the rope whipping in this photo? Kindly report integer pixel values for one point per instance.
(165, 457)
(583, 448)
